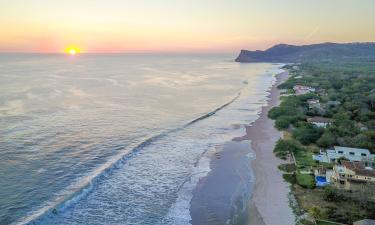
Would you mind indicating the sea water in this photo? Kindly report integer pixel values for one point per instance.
(117, 138)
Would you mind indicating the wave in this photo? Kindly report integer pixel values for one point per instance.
(81, 188)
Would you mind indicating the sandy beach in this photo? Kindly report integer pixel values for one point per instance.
(269, 203)
(225, 195)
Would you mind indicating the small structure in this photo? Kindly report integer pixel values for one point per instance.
(333, 103)
(320, 121)
(352, 154)
(362, 127)
(351, 175)
(300, 89)
(313, 103)
(364, 222)
(322, 176)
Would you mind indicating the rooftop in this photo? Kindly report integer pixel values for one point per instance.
(318, 119)
(359, 168)
(349, 149)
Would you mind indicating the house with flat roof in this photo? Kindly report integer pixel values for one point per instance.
(351, 154)
(300, 89)
(319, 121)
(313, 103)
(364, 222)
(351, 175)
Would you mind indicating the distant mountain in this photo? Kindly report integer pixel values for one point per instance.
(284, 53)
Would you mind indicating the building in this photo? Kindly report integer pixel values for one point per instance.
(300, 89)
(313, 103)
(351, 175)
(331, 104)
(364, 222)
(319, 121)
(322, 176)
(351, 154)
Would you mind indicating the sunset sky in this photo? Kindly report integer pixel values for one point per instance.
(180, 25)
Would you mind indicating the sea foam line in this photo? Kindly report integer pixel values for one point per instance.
(84, 186)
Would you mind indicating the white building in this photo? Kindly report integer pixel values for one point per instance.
(313, 103)
(300, 89)
(319, 121)
(352, 154)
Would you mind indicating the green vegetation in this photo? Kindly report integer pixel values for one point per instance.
(285, 147)
(290, 178)
(287, 167)
(319, 222)
(307, 133)
(346, 93)
(305, 180)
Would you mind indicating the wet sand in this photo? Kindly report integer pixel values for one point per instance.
(269, 203)
(225, 195)
(222, 196)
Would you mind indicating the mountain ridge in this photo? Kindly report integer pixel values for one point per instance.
(285, 53)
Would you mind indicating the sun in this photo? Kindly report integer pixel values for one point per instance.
(72, 50)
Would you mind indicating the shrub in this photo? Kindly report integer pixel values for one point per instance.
(287, 167)
(307, 134)
(275, 112)
(326, 140)
(283, 122)
(284, 147)
(332, 194)
(290, 178)
(305, 181)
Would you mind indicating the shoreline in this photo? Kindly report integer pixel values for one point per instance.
(269, 203)
(239, 189)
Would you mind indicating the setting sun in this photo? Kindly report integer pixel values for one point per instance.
(72, 50)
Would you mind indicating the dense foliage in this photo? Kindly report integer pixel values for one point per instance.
(346, 94)
(346, 91)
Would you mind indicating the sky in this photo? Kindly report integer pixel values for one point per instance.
(180, 25)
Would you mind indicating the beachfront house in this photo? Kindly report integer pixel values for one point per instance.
(331, 104)
(351, 154)
(352, 175)
(300, 89)
(319, 121)
(313, 103)
(322, 176)
(364, 222)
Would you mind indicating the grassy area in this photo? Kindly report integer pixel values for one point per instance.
(305, 180)
(304, 159)
(287, 167)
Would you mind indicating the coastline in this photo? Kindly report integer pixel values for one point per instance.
(239, 189)
(269, 203)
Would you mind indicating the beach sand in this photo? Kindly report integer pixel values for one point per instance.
(269, 203)
(225, 195)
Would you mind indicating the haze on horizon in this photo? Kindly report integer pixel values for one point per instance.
(179, 25)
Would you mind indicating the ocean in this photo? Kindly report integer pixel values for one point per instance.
(117, 138)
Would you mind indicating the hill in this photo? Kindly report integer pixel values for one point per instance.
(283, 53)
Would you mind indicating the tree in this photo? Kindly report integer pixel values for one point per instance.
(307, 134)
(317, 213)
(284, 147)
(328, 139)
